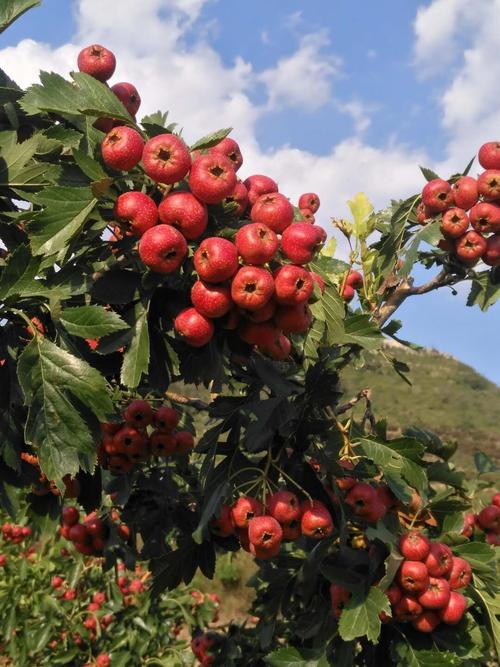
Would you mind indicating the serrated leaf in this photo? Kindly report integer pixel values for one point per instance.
(18, 278)
(431, 234)
(408, 656)
(57, 386)
(360, 618)
(292, 657)
(62, 218)
(18, 169)
(361, 209)
(89, 166)
(211, 139)
(359, 330)
(85, 96)
(91, 321)
(483, 292)
(397, 458)
(136, 357)
(428, 174)
(312, 340)
(10, 10)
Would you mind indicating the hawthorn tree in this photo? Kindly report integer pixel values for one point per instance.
(97, 314)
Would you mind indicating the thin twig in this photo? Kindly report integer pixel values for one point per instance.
(191, 401)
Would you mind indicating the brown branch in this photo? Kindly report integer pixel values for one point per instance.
(363, 394)
(190, 401)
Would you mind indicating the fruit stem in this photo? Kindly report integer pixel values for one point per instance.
(290, 479)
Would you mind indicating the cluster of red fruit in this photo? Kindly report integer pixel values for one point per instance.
(88, 537)
(257, 281)
(15, 534)
(468, 202)
(369, 503)
(131, 587)
(200, 598)
(487, 521)
(261, 529)
(352, 282)
(127, 443)
(201, 646)
(427, 582)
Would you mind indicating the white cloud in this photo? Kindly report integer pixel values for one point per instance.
(358, 113)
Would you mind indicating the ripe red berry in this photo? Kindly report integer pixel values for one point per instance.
(309, 200)
(489, 155)
(259, 185)
(407, 609)
(470, 247)
(162, 444)
(413, 576)
(184, 442)
(256, 243)
(292, 285)
(211, 300)
(454, 610)
(301, 241)
(461, 573)
(166, 159)
(427, 622)
(216, 260)
(414, 546)
(185, 212)
(437, 195)
(348, 293)
(212, 178)
(70, 516)
(252, 287)
(465, 194)
(436, 595)
(489, 518)
(103, 660)
(440, 560)
(231, 150)
(361, 497)
(138, 414)
(128, 96)
(193, 328)
(166, 419)
(128, 441)
(264, 532)
(223, 525)
(454, 223)
(78, 533)
(136, 211)
(163, 249)
(97, 61)
(122, 148)
(284, 506)
(339, 596)
(354, 279)
(316, 521)
(488, 184)
(245, 509)
(293, 319)
(273, 210)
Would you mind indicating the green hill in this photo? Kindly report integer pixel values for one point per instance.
(446, 396)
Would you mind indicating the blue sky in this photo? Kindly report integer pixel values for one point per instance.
(330, 95)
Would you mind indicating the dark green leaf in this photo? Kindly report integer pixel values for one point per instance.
(10, 10)
(18, 278)
(211, 139)
(483, 292)
(360, 618)
(292, 657)
(90, 167)
(91, 321)
(429, 175)
(428, 234)
(136, 357)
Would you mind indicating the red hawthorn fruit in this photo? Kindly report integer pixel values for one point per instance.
(440, 560)
(489, 518)
(354, 279)
(252, 287)
(436, 595)
(231, 150)
(211, 300)
(489, 155)
(301, 241)
(238, 196)
(394, 593)
(184, 442)
(307, 216)
(454, 610)
(465, 194)
(128, 441)
(99, 597)
(361, 497)
(264, 533)
(123, 531)
(485, 217)
(316, 521)
(194, 328)
(110, 428)
(93, 606)
(273, 210)
(97, 61)
(138, 414)
(95, 527)
(461, 573)
(162, 444)
(339, 596)
(437, 195)
(56, 582)
(166, 419)
(122, 148)
(470, 247)
(70, 594)
(3, 560)
(103, 660)
(413, 576)
(136, 586)
(454, 223)
(78, 533)
(376, 512)
(258, 333)
(212, 178)
(292, 285)
(291, 531)
(256, 243)
(283, 506)
(488, 184)
(245, 509)
(493, 539)
(423, 213)
(278, 348)
(318, 280)
(263, 314)
(128, 96)
(427, 622)
(259, 185)
(166, 159)
(386, 496)
(496, 500)
(492, 253)
(185, 212)
(407, 609)
(120, 463)
(348, 293)
(162, 249)
(469, 523)
(309, 200)
(216, 260)
(70, 516)
(414, 546)
(293, 319)
(223, 525)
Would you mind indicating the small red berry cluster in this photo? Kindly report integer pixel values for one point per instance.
(487, 521)
(130, 588)
(258, 281)
(89, 536)
(261, 529)
(425, 591)
(352, 282)
(128, 443)
(200, 598)
(202, 646)
(15, 534)
(465, 203)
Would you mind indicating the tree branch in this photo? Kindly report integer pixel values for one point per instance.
(190, 401)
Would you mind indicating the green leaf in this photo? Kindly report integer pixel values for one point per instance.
(361, 209)
(90, 167)
(312, 340)
(88, 97)
(408, 656)
(477, 553)
(136, 357)
(292, 657)
(483, 292)
(211, 139)
(18, 278)
(491, 605)
(91, 321)
(397, 458)
(328, 267)
(432, 442)
(360, 618)
(10, 10)
(62, 218)
(446, 474)
(18, 169)
(428, 174)
(484, 463)
(60, 391)
(428, 234)
(359, 330)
